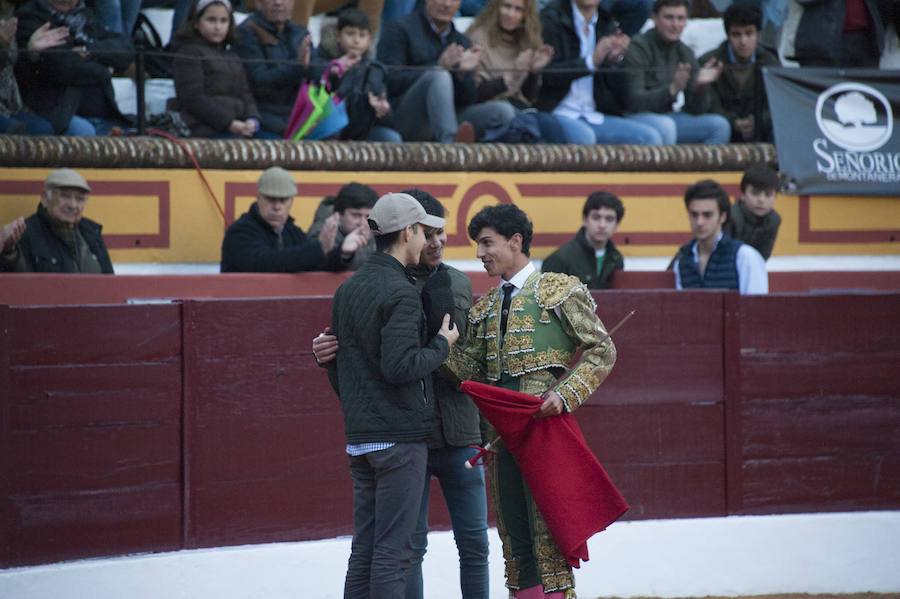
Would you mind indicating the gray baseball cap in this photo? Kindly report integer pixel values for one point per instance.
(66, 177)
(396, 211)
(276, 182)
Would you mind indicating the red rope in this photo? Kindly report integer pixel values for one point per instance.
(190, 154)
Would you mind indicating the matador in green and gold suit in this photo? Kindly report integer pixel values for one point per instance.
(551, 316)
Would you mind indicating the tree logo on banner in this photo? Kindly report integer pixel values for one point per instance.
(855, 117)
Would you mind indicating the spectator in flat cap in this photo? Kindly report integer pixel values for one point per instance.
(276, 53)
(57, 238)
(265, 238)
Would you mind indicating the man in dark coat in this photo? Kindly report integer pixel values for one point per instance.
(842, 33)
(74, 78)
(591, 255)
(382, 376)
(667, 85)
(276, 54)
(436, 102)
(57, 238)
(265, 238)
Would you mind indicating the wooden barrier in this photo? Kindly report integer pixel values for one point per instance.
(91, 431)
(817, 421)
(58, 290)
(134, 428)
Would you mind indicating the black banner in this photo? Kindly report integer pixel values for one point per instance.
(835, 131)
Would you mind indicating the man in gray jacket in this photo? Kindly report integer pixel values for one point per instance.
(382, 376)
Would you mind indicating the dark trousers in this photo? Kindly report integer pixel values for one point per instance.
(387, 491)
(517, 511)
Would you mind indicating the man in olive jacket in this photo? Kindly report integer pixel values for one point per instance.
(382, 376)
(591, 255)
(457, 426)
(667, 86)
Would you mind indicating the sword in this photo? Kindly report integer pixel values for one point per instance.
(618, 325)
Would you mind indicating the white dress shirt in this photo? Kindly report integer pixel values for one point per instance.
(751, 269)
(579, 102)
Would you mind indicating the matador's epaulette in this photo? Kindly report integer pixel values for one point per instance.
(482, 307)
(554, 288)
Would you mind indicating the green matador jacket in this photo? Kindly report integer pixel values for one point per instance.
(549, 321)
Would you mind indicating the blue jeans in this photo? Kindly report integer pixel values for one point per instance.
(429, 113)
(34, 125)
(622, 130)
(471, 8)
(576, 131)
(465, 496)
(551, 131)
(381, 133)
(680, 127)
(80, 126)
(387, 488)
(103, 126)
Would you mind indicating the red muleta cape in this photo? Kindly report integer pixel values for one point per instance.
(570, 487)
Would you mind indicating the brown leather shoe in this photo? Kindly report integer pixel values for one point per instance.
(465, 134)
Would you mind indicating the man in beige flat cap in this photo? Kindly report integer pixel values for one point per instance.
(265, 238)
(57, 238)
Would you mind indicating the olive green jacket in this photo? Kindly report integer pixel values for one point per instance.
(456, 419)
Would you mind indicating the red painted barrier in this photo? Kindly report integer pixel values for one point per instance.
(264, 435)
(60, 290)
(133, 428)
(819, 410)
(91, 431)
